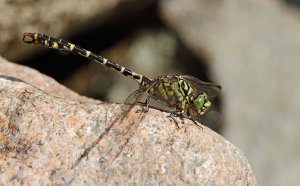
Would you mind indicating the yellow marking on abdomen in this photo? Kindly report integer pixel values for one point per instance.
(46, 42)
(104, 61)
(87, 53)
(35, 36)
(55, 45)
(71, 46)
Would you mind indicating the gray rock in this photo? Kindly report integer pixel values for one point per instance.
(49, 139)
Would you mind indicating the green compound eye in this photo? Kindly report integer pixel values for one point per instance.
(200, 100)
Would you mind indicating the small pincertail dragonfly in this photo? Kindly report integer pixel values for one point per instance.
(184, 94)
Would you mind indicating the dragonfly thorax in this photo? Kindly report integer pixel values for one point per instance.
(175, 92)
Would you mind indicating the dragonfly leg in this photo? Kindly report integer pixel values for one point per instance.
(195, 122)
(175, 114)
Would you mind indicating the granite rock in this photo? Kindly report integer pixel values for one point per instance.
(53, 138)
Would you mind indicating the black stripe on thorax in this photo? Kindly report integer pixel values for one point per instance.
(184, 87)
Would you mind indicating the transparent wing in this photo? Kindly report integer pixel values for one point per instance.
(137, 95)
(211, 89)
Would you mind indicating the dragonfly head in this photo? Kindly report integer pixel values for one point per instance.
(201, 104)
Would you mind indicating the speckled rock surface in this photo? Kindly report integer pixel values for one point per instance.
(47, 139)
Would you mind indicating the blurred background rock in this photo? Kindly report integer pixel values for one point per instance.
(251, 48)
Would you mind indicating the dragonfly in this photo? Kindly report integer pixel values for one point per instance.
(185, 95)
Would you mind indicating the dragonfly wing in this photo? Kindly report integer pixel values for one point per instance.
(211, 89)
(137, 95)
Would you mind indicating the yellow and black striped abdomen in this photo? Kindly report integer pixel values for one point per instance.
(52, 42)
